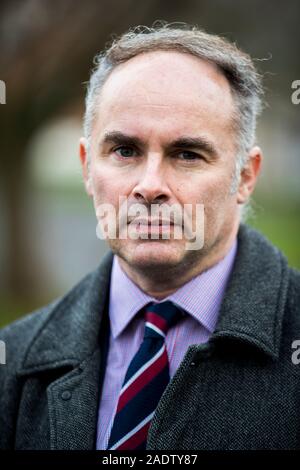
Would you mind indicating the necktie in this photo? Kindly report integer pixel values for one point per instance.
(145, 380)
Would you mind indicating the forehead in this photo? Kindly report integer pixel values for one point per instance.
(166, 84)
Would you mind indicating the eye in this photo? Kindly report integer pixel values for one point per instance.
(189, 156)
(125, 151)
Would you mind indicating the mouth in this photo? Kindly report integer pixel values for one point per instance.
(155, 228)
(152, 222)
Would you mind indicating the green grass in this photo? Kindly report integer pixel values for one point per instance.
(281, 225)
(12, 309)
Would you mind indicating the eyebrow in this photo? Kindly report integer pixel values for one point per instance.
(199, 143)
(118, 138)
(184, 142)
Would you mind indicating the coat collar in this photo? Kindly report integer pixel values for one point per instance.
(251, 311)
(70, 331)
(253, 307)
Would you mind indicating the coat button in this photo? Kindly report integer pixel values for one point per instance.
(66, 395)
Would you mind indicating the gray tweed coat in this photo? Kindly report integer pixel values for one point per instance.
(241, 390)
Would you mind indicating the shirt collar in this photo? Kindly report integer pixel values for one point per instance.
(201, 297)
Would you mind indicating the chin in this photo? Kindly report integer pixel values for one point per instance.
(151, 254)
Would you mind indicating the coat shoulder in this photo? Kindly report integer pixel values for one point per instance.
(294, 290)
(60, 332)
(295, 278)
(17, 338)
(18, 335)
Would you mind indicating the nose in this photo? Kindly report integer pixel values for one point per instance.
(152, 185)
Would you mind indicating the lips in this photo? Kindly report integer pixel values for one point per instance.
(153, 222)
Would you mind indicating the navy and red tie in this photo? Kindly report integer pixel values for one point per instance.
(145, 380)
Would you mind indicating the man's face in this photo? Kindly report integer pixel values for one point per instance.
(149, 110)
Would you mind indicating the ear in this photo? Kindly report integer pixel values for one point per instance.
(83, 154)
(249, 175)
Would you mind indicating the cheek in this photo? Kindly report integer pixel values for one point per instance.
(214, 193)
(108, 187)
(209, 190)
(102, 178)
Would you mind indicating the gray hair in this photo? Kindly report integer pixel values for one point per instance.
(237, 66)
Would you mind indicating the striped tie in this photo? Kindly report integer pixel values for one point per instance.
(146, 379)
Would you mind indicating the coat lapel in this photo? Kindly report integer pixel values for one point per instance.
(253, 306)
(71, 348)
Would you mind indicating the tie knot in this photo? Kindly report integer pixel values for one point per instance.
(160, 317)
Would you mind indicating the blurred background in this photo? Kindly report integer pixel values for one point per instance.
(47, 223)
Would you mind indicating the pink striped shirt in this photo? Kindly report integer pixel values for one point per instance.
(201, 298)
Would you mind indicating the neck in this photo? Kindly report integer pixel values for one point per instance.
(161, 281)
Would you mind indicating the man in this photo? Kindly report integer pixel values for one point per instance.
(167, 345)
